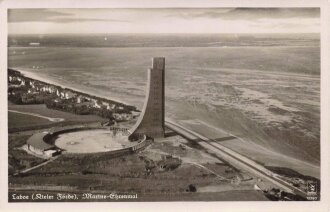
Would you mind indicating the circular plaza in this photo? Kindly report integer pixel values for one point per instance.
(92, 141)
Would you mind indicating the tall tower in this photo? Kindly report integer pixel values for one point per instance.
(151, 120)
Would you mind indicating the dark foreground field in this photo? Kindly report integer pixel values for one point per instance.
(165, 171)
(17, 120)
(22, 122)
(22, 126)
(132, 174)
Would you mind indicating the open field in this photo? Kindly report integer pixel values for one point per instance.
(101, 173)
(38, 115)
(43, 110)
(18, 122)
(18, 159)
(22, 126)
(165, 171)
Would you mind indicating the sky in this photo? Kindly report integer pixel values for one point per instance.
(164, 20)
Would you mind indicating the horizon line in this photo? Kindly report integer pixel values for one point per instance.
(163, 33)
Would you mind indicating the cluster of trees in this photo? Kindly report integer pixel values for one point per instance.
(125, 109)
(19, 95)
(277, 195)
(16, 99)
(14, 73)
(35, 99)
(72, 107)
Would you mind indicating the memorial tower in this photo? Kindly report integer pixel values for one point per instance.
(151, 120)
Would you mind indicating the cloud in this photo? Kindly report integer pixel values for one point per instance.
(250, 13)
(78, 15)
(47, 15)
(164, 20)
(72, 20)
(33, 15)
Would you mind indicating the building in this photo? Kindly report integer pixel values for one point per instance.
(48, 89)
(106, 104)
(79, 99)
(37, 145)
(69, 95)
(96, 103)
(32, 84)
(151, 122)
(122, 116)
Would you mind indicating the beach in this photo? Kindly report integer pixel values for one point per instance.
(52, 82)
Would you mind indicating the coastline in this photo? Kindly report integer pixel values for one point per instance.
(172, 116)
(51, 82)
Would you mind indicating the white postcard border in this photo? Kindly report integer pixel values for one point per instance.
(322, 205)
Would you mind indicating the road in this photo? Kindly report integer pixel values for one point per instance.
(235, 159)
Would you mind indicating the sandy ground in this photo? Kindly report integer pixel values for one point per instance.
(52, 82)
(91, 141)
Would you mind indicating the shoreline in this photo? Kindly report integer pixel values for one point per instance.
(35, 76)
(173, 116)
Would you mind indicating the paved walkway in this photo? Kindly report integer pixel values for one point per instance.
(209, 170)
(37, 166)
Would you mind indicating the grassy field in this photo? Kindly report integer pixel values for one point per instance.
(136, 174)
(102, 173)
(18, 122)
(19, 159)
(43, 110)
(95, 173)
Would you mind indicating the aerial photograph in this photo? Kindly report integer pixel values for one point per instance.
(163, 104)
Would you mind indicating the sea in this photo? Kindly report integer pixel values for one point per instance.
(263, 88)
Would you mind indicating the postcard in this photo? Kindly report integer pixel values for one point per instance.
(165, 103)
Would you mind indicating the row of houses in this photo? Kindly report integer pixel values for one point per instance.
(122, 116)
(37, 87)
(59, 94)
(16, 80)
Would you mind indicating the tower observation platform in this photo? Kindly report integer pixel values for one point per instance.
(152, 118)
